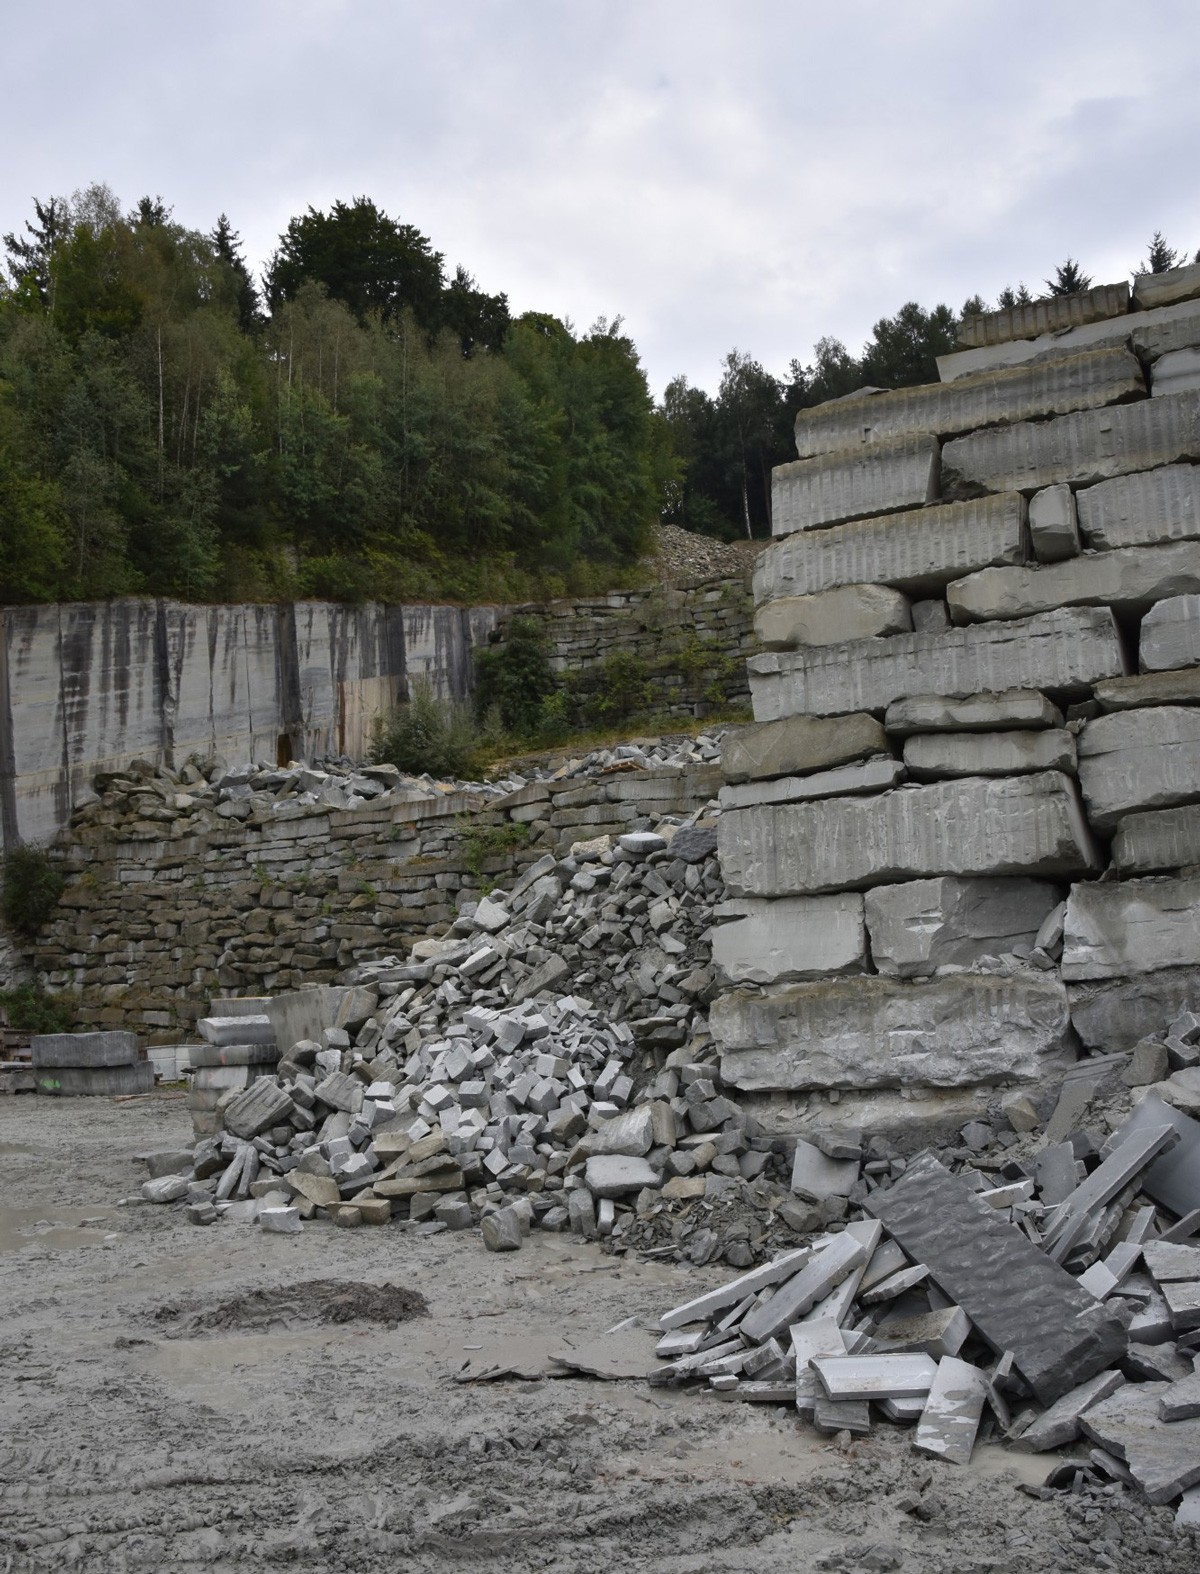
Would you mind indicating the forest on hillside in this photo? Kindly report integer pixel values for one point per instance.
(362, 423)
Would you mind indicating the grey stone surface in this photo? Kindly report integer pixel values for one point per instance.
(922, 925)
(280, 1221)
(824, 1271)
(1174, 1178)
(1063, 650)
(1012, 825)
(95, 1081)
(1079, 449)
(166, 1188)
(1017, 1298)
(830, 617)
(254, 1028)
(614, 1175)
(1010, 710)
(1181, 1402)
(876, 1376)
(1059, 1425)
(1053, 314)
(1145, 509)
(1163, 1458)
(502, 1230)
(871, 776)
(1084, 381)
(1131, 926)
(1053, 525)
(1164, 289)
(816, 1176)
(794, 745)
(875, 1032)
(1131, 579)
(1150, 688)
(950, 1420)
(852, 484)
(1125, 1163)
(306, 1013)
(929, 616)
(263, 1104)
(920, 551)
(211, 1055)
(1139, 759)
(83, 1049)
(928, 756)
(1176, 372)
(1170, 635)
(761, 1278)
(794, 937)
(1115, 1016)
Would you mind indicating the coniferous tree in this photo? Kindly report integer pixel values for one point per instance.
(1160, 257)
(227, 244)
(1069, 279)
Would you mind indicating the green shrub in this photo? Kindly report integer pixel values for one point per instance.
(30, 887)
(428, 734)
(30, 1009)
(618, 687)
(516, 677)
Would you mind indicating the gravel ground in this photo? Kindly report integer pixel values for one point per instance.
(133, 1438)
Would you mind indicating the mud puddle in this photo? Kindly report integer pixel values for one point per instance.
(62, 1227)
(293, 1306)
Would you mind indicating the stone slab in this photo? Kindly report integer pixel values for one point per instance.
(1149, 334)
(1066, 650)
(1060, 1424)
(1139, 759)
(210, 1055)
(1043, 388)
(306, 1013)
(242, 1029)
(702, 1307)
(853, 484)
(872, 776)
(794, 937)
(919, 552)
(876, 1376)
(1011, 710)
(616, 1175)
(815, 1176)
(1145, 509)
(1164, 289)
(824, 1271)
(830, 617)
(949, 1423)
(1163, 1457)
(1052, 314)
(921, 925)
(1170, 635)
(1017, 1298)
(83, 1049)
(1176, 372)
(910, 1119)
(1053, 524)
(262, 1105)
(795, 745)
(929, 756)
(1150, 688)
(875, 1032)
(1114, 1017)
(1009, 825)
(1116, 928)
(1174, 1178)
(1129, 579)
(96, 1081)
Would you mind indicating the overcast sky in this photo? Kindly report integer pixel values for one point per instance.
(754, 175)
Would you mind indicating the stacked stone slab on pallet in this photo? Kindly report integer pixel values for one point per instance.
(980, 691)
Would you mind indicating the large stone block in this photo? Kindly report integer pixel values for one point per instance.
(1176, 372)
(1139, 759)
(1015, 708)
(1149, 334)
(96, 1081)
(930, 755)
(1028, 319)
(1160, 839)
(871, 776)
(84, 1049)
(922, 925)
(1068, 650)
(306, 1013)
(1129, 579)
(850, 485)
(794, 745)
(1150, 688)
(1008, 825)
(920, 551)
(795, 937)
(1053, 524)
(861, 1033)
(831, 616)
(1170, 635)
(1116, 928)
(1023, 393)
(1079, 449)
(1144, 509)
(1113, 1017)
(1165, 289)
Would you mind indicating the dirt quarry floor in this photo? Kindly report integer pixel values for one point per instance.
(181, 1398)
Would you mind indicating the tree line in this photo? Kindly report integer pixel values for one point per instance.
(364, 424)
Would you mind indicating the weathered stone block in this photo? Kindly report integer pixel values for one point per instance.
(1139, 759)
(1028, 319)
(1078, 382)
(861, 1033)
(922, 925)
(930, 755)
(83, 1049)
(795, 937)
(1145, 509)
(1165, 289)
(1131, 926)
(974, 826)
(1129, 578)
(1078, 449)
(1053, 524)
(1015, 708)
(1170, 635)
(1176, 372)
(1150, 334)
(853, 484)
(920, 551)
(263, 1104)
(1114, 1017)
(1066, 650)
(306, 1013)
(1150, 688)
(1160, 839)
(95, 1081)
(794, 745)
(871, 776)
(831, 616)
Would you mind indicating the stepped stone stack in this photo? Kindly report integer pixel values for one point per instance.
(962, 836)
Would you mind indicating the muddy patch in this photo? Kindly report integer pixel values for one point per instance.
(295, 1306)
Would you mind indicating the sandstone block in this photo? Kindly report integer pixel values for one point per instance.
(795, 745)
(1129, 578)
(922, 925)
(1150, 688)
(1080, 449)
(1160, 839)
(853, 484)
(1012, 825)
(1015, 708)
(1176, 372)
(930, 755)
(1165, 289)
(1170, 635)
(1044, 388)
(831, 616)
(1053, 524)
(871, 776)
(1066, 650)
(869, 1032)
(1030, 318)
(1145, 509)
(1150, 334)
(1139, 759)
(795, 937)
(920, 551)
(1131, 926)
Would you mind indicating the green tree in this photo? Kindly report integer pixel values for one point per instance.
(903, 349)
(239, 285)
(1160, 257)
(1069, 279)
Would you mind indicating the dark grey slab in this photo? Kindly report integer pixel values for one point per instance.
(1017, 1298)
(84, 1049)
(1173, 1179)
(1163, 1456)
(96, 1081)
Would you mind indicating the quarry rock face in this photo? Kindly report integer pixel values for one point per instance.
(921, 925)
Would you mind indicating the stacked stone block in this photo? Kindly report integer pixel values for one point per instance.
(960, 839)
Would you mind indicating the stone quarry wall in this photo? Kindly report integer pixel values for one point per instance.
(963, 837)
(89, 687)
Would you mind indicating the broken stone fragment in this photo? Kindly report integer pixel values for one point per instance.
(501, 1230)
